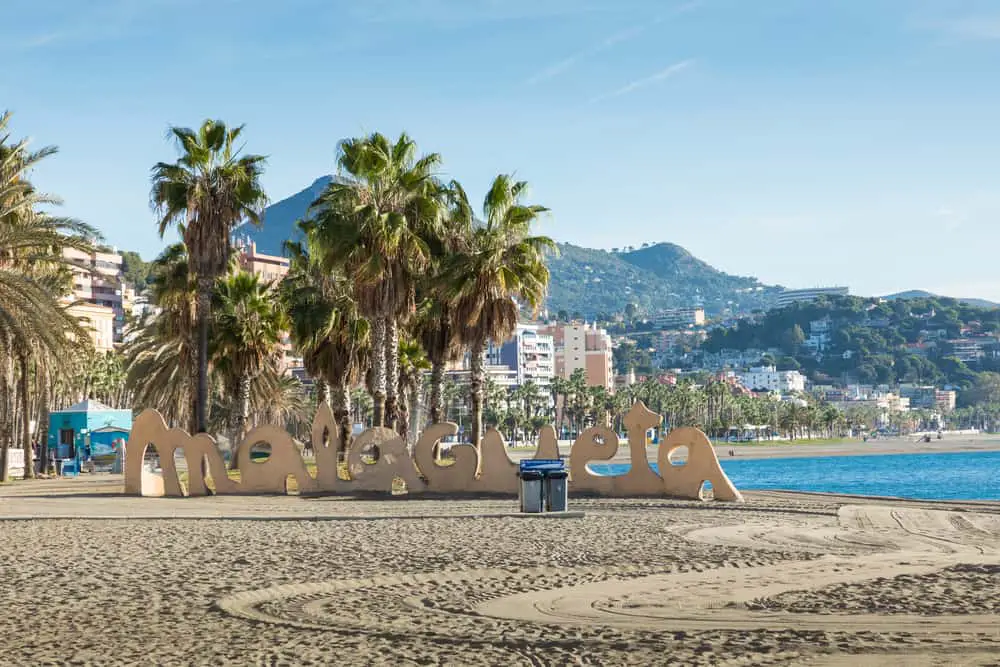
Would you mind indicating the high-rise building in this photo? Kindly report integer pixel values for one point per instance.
(585, 347)
(98, 280)
(528, 353)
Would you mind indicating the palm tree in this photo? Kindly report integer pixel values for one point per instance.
(159, 359)
(373, 223)
(435, 325)
(326, 328)
(36, 331)
(502, 264)
(412, 364)
(210, 190)
(275, 398)
(248, 329)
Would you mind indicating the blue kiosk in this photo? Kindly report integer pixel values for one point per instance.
(88, 432)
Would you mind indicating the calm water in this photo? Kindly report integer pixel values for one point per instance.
(958, 476)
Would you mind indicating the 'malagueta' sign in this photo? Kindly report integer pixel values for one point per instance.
(487, 470)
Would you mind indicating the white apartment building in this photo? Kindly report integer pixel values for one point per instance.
(768, 378)
(819, 336)
(528, 353)
(790, 296)
(681, 318)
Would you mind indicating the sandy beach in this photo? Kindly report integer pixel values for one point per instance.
(94, 578)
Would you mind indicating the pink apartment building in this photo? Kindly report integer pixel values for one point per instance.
(582, 346)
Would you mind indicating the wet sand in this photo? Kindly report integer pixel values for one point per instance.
(93, 578)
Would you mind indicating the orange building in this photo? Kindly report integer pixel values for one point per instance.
(582, 346)
(271, 268)
(267, 267)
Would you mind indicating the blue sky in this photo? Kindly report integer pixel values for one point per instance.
(807, 142)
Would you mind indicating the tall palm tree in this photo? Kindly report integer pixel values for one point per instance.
(36, 331)
(502, 265)
(435, 325)
(326, 328)
(248, 329)
(372, 223)
(412, 364)
(160, 356)
(212, 188)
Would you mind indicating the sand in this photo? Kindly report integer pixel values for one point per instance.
(92, 578)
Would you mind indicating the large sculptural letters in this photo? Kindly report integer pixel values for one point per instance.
(487, 470)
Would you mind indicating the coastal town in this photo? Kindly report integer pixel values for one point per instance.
(499, 332)
(539, 373)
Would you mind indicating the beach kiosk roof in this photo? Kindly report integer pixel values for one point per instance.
(88, 406)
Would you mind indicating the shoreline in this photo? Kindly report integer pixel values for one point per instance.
(956, 443)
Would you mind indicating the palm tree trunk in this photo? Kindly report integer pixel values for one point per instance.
(340, 404)
(43, 417)
(29, 454)
(244, 412)
(378, 371)
(417, 405)
(478, 373)
(392, 379)
(403, 409)
(203, 314)
(322, 392)
(5, 415)
(437, 400)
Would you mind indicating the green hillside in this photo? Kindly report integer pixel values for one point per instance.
(592, 282)
(903, 340)
(923, 294)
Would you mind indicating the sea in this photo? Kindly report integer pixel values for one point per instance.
(937, 476)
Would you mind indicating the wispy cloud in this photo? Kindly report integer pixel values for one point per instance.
(560, 66)
(456, 13)
(949, 219)
(967, 28)
(90, 22)
(633, 86)
(974, 27)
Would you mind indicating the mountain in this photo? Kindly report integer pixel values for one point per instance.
(656, 277)
(592, 282)
(584, 281)
(923, 294)
(279, 219)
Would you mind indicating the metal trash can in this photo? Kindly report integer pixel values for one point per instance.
(531, 491)
(556, 490)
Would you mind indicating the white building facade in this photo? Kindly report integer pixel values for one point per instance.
(529, 354)
(768, 378)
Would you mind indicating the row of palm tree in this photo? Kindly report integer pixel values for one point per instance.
(44, 352)
(714, 407)
(419, 267)
(396, 273)
(246, 328)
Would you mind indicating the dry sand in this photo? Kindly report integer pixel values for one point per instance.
(91, 578)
